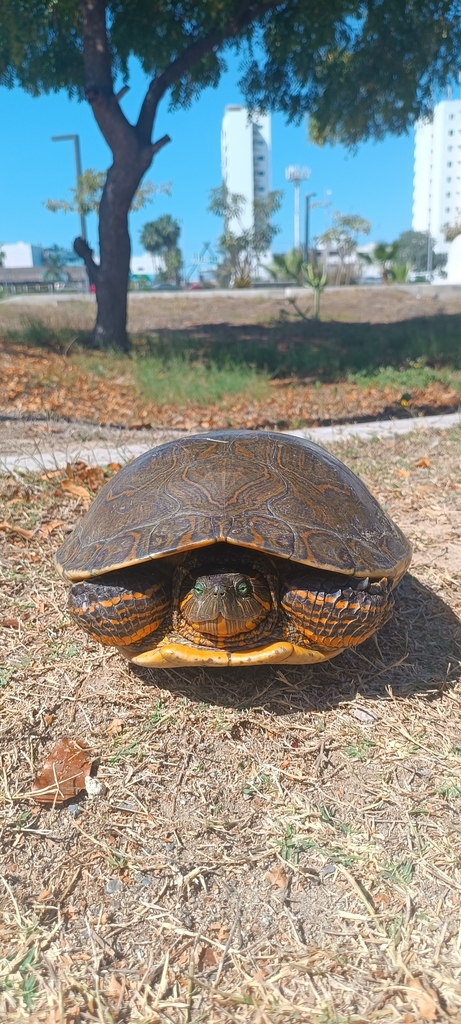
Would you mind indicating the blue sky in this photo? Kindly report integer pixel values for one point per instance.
(375, 182)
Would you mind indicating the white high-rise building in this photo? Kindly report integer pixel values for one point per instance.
(437, 172)
(245, 157)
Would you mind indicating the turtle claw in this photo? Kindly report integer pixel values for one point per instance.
(363, 584)
(380, 587)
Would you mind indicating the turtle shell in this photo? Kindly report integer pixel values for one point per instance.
(271, 492)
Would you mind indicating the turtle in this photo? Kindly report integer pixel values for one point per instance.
(235, 547)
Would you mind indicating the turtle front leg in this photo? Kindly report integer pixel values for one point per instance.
(122, 608)
(330, 610)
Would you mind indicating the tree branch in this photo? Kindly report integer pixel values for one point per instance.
(99, 86)
(86, 254)
(249, 12)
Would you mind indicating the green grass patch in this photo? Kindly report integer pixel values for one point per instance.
(326, 350)
(38, 334)
(179, 380)
(410, 376)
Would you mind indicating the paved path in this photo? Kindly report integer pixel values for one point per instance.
(36, 455)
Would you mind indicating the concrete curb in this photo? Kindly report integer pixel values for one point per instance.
(37, 461)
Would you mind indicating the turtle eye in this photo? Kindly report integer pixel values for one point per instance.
(242, 588)
(198, 589)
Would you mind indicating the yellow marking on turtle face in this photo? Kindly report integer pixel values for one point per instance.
(171, 654)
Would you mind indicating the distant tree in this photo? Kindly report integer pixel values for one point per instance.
(385, 254)
(86, 197)
(243, 247)
(343, 238)
(359, 70)
(288, 266)
(55, 268)
(160, 237)
(412, 249)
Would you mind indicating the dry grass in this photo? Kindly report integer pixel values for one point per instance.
(176, 312)
(274, 845)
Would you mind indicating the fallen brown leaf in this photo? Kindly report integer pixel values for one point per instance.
(208, 957)
(10, 623)
(76, 490)
(63, 774)
(48, 528)
(423, 463)
(277, 877)
(424, 999)
(114, 727)
(27, 534)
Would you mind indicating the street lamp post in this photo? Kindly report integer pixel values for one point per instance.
(78, 170)
(296, 175)
(309, 196)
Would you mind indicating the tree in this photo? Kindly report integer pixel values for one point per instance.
(160, 237)
(343, 237)
(288, 266)
(242, 247)
(412, 249)
(358, 69)
(384, 254)
(86, 197)
(55, 268)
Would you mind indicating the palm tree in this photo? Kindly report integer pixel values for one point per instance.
(160, 237)
(288, 266)
(385, 254)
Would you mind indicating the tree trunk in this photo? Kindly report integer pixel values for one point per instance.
(111, 276)
(113, 273)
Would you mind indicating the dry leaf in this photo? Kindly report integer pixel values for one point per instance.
(208, 957)
(63, 774)
(425, 999)
(115, 726)
(423, 463)
(76, 490)
(405, 473)
(114, 467)
(27, 534)
(277, 876)
(10, 623)
(114, 988)
(48, 528)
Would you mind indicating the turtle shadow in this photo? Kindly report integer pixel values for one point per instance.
(416, 653)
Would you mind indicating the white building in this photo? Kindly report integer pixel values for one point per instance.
(21, 254)
(246, 158)
(437, 172)
(146, 265)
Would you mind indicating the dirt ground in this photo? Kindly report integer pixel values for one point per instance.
(156, 311)
(35, 382)
(270, 845)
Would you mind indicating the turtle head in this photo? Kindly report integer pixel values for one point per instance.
(226, 604)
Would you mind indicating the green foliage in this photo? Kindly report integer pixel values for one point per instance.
(412, 249)
(343, 237)
(316, 279)
(55, 268)
(408, 252)
(358, 70)
(86, 196)
(399, 272)
(160, 237)
(288, 266)
(242, 247)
